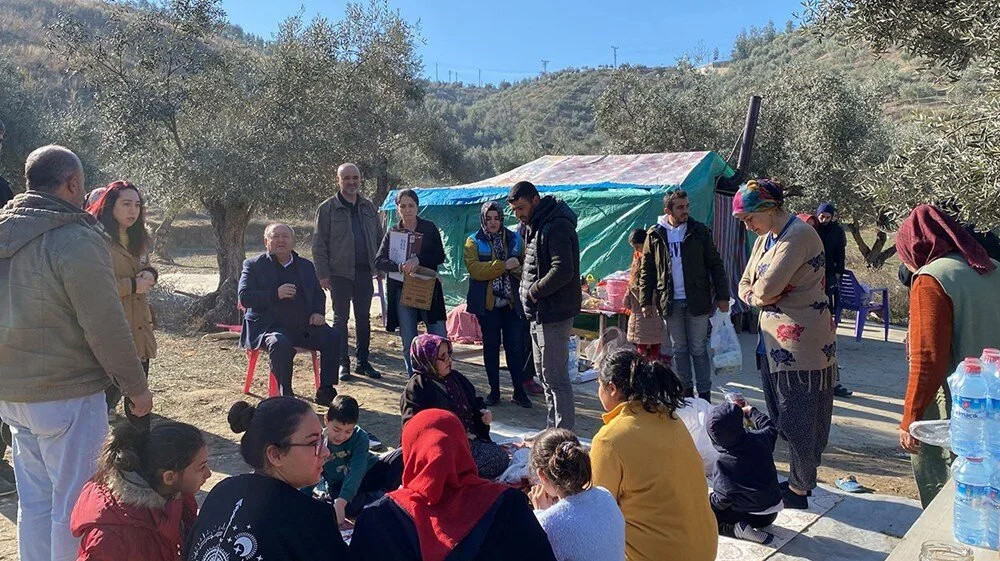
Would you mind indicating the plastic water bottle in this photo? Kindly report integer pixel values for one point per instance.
(991, 365)
(993, 536)
(968, 409)
(972, 484)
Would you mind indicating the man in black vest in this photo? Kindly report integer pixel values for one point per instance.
(285, 308)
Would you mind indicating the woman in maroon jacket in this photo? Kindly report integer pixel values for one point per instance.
(140, 505)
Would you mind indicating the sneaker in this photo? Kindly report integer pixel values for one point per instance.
(794, 500)
(374, 442)
(841, 391)
(325, 395)
(521, 400)
(345, 371)
(744, 531)
(492, 399)
(707, 396)
(784, 487)
(7, 488)
(533, 387)
(366, 369)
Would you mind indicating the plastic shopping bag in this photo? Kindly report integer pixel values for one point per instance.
(727, 355)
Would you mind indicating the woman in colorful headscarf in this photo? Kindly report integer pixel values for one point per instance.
(435, 385)
(444, 510)
(953, 312)
(797, 348)
(493, 256)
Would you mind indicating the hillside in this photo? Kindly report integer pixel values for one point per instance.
(496, 128)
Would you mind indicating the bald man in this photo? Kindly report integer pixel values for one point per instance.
(63, 340)
(348, 233)
(285, 309)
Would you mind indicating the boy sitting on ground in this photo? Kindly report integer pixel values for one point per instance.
(745, 495)
(353, 476)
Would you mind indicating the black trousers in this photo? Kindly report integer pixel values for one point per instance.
(501, 325)
(359, 291)
(281, 345)
(112, 395)
(528, 372)
(729, 516)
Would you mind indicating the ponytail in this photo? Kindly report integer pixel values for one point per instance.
(653, 384)
(558, 454)
(165, 447)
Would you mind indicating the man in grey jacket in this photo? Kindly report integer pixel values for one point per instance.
(63, 340)
(344, 247)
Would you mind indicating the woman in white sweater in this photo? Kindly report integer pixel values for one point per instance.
(583, 522)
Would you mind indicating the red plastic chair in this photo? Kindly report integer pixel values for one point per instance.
(254, 354)
(272, 382)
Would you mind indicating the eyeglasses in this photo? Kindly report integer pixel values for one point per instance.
(319, 444)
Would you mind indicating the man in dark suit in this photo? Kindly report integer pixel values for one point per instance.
(285, 309)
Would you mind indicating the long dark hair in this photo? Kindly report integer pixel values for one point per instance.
(271, 423)
(165, 447)
(103, 210)
(652, 383)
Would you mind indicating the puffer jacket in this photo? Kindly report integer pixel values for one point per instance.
(137, 311)
(483, 268)
(550, 282)
(63, 332)
(126, 520)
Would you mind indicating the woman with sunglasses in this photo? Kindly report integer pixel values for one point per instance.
(263, 514)
(435, 385)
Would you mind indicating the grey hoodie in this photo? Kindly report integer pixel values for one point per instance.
(63, 332)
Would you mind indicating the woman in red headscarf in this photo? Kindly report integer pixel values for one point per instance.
(953, 312)
(444, 510)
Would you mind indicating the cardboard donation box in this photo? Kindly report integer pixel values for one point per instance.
(418, 288)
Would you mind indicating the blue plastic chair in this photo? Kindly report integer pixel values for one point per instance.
(858, 297)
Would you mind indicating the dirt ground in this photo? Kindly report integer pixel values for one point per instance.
(196, 379)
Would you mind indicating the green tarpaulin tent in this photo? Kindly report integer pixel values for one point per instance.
(611, 195)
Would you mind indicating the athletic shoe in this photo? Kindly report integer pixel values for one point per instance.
(345, 371)
(521, 400)
(365, 368)
(533, 387)
(492, 399)
(374, 443)
(841, 391)
(744, 531)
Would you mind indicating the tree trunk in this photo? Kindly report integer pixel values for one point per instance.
(161, 239)
(229, 223)
(381, 180)
(875, 255)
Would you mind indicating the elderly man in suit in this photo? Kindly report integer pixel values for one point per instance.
(285, 309)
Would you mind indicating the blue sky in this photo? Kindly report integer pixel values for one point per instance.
(508, 39)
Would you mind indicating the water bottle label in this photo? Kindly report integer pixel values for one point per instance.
(994, 497)
(968, 493)
(971, 408)
(995, 408)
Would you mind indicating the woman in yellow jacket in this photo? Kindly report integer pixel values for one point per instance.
(645, 456)
(493, 257)
(121, 211)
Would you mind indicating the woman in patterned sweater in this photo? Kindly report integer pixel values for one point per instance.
(797, 350)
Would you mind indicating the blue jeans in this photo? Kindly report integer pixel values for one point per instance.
(503, 324)
(689, 343)
(56, 444)
(408, 319)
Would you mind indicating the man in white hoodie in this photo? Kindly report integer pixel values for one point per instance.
(683, 279)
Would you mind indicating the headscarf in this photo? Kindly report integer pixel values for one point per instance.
(758, 195)
(442, 491)
(423, 357)
(928, 233)
(502, 286)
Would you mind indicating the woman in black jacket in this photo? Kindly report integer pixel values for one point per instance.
(430, 255)
(444, 510)
(435, 385)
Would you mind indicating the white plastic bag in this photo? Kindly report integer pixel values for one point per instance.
(727, 355)
(695, 418)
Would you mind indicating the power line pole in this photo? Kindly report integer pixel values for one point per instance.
(436, 77)
(545, 67)
(615, 49)
(449, 76)
(480, 77)
(456, 78)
